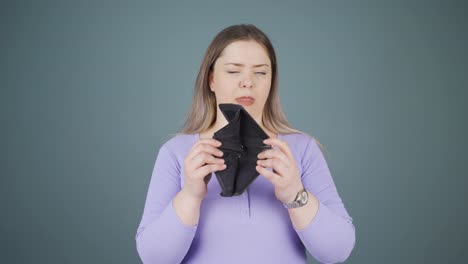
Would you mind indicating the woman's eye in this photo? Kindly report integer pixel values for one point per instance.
(262, 73)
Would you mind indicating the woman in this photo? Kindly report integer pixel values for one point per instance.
(292, 206)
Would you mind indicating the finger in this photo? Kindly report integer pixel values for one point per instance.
(210, 141)
(203, 159)
(275, 153)
(203, 171)
(204, 148)
(283, 145)
(274, 178)
(201, 142)
(278, 166)
(209, 149)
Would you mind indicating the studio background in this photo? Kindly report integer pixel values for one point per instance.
(91, 89)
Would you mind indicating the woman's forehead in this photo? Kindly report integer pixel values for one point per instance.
(241, 53)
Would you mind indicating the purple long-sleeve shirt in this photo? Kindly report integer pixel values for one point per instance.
(250, 228)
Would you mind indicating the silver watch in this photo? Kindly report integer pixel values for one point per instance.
(301, 199)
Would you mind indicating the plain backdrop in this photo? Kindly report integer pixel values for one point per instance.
(91, 89)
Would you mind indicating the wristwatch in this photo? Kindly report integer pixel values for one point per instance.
(301, 199)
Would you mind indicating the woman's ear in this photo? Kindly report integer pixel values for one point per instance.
(210, 81)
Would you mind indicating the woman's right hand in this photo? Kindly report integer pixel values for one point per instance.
(199, 163)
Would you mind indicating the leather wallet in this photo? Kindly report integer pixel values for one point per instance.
(242, 140)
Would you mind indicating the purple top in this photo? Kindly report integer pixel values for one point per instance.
(250, 227)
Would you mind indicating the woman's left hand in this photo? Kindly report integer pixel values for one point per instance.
(285, 175)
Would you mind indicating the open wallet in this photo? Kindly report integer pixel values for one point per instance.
(242, 140)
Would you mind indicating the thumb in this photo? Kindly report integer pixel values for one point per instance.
(207, 178)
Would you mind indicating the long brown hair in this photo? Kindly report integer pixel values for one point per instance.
(202, 114)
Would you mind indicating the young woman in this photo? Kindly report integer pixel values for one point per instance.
(292, 206)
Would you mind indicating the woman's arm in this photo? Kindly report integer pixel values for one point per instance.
(329, 235)
(187, 208)
(169, 220)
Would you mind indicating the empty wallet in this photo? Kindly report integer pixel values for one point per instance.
(242, 140)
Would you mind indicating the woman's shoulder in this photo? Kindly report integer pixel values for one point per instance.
(297, 139)
(178, 142)
(302, 141)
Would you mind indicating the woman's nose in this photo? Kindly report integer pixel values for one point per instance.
(247, 82)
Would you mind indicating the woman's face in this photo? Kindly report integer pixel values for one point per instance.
(243, 70)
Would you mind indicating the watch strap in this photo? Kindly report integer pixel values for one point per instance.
(297, 201)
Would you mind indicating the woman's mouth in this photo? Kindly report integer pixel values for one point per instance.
(245, 100)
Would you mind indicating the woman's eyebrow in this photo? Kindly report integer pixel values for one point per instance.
(240, 64)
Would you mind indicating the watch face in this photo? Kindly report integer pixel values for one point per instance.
(304, 197)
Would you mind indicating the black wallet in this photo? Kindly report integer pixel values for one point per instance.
(242, 140)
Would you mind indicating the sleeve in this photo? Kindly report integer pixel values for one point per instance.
(330, 236)
(161, 236)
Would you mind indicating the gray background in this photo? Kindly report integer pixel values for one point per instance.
(91, 89)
